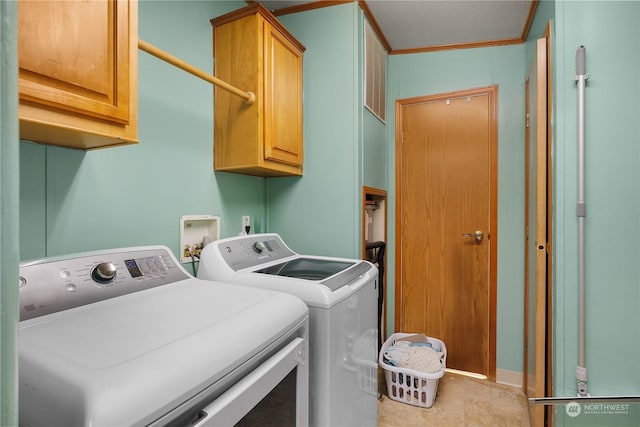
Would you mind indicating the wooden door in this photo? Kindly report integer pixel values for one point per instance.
(447, 191)
(536, 211)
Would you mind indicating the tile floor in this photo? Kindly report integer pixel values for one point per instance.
(460, 401)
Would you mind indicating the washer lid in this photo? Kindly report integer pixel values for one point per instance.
(308, 268)
(130, 359)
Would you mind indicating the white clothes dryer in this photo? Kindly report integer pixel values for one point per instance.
(341, 294)
(127, 337)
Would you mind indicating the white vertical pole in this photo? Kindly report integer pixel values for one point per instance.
(581, 370)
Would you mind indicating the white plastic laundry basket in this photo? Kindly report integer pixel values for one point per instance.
(409, 386)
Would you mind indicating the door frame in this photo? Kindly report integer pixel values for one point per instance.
(545, 339)
(549, 336)
(492, 92)
(536, 237)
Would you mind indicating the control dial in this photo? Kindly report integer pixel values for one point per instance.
(258, 247)
(104, 272)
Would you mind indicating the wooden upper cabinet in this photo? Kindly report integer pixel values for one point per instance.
(255, 53)
(78, 72)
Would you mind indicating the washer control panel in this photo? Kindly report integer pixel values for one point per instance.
(252, 250)
(55, 284)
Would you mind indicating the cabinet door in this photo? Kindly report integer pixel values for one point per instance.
(74, 56)
(283, 99)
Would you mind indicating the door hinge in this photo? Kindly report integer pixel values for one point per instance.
(528, 117)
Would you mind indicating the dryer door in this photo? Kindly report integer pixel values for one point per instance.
(282, 380)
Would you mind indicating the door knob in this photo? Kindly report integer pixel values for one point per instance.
(478, 235)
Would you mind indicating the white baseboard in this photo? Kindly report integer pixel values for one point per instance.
(511, 378)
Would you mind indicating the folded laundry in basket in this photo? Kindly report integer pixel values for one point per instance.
(417, 356)
(416, 338)
(424, 359)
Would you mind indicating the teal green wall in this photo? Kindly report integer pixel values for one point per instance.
(9, 176)
(374, 130)
(319, 213)
(610, 32)
(76, 201)
(375, 151)
(545, 12)
(436, 72)
(134, 195)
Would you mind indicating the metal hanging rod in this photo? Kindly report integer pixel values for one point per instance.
(249, 97)
(589, 399)
(581, 210)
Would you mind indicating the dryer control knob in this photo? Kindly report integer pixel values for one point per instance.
(258, 247)
(104, 272)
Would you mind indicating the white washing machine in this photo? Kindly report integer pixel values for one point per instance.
(127, 337)
(342, 298)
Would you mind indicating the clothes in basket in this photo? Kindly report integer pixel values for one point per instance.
(416, 354)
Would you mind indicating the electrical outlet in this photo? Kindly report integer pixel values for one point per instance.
(246, 225)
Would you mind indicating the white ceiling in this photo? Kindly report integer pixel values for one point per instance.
(437, 24)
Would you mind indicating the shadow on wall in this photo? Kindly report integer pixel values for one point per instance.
(34, 162)
(231, 187)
